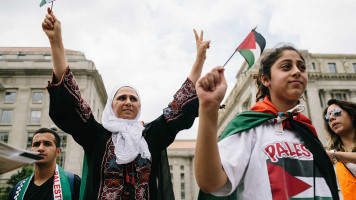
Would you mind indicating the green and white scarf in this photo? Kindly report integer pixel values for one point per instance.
(61, 186)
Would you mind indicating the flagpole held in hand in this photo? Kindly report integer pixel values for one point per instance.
(52, 7)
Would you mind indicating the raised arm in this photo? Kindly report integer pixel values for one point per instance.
(67, 109)
(209, 173)
(202, 45)
(52, 27)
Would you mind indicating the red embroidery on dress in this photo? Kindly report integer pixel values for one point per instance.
(71, 85)
(184, 95)
(113, 179)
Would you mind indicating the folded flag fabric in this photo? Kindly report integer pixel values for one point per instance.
(252, 47)
(43, 2)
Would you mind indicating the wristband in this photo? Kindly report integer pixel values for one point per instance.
(333, 156)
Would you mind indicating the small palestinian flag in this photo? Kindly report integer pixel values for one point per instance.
(43, 2)
(252, 47)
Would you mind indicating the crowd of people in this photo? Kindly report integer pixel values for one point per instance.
(271, 151)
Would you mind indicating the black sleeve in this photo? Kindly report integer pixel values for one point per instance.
(77, 181)
(69, 111)
(179, 115)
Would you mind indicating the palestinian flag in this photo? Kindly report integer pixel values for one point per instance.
(252, 47)
(43, 2)
(292, 179)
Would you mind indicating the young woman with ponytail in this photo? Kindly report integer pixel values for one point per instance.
(269, 152)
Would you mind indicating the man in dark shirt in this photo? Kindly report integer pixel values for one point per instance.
(49, 181)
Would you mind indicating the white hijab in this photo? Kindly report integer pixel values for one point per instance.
(126, 133)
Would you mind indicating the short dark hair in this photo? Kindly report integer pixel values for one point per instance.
(265, 68)
(334, 140)
(57, 139)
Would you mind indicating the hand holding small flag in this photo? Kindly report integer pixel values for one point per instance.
(52, 27)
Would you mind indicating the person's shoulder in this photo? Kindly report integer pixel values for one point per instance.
(76, 177)
(77, 181)
(11, 194)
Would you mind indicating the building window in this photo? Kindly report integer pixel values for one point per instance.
(0, 56)
(29, 140)
(37, 97)
(181, 176)
(182, 190)
(339, 95)
(321, 98)
(354, 67)
(245, 106)
(10, 97)
(6, 117)
(4, 136)
(171, 176)
(313, 66)
(332, 67)
(61, 157)
(182, 167)
(171, 167)
(21, 56)
(35, 117)
(182, 194)
(47, 57)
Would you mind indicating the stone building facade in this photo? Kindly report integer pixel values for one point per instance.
(330, 76)
(24, 100)
(181, 163)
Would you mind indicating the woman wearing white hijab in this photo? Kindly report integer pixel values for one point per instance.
(124, 158)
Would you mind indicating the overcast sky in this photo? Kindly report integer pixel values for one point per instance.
(150, 43)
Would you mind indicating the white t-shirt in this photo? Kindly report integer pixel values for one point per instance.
(264, 164)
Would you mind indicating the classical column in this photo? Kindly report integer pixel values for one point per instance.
(316, 111)
(353, 95)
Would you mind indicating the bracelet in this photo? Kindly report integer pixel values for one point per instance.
(333, 156)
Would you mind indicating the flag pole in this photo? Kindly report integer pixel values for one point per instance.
(52, 6)
(229, 58)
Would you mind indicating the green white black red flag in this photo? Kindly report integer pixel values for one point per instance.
(251, 48)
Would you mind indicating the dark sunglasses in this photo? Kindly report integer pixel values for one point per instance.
(336, 112)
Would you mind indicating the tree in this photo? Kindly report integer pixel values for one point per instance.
(15, 178)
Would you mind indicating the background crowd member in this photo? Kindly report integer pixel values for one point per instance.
(49, 180)
(340, 123)
(125, 159)
(269, 152)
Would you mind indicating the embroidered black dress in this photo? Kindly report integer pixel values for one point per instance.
(140, 179)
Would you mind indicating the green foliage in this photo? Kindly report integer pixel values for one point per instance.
(15, 178)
